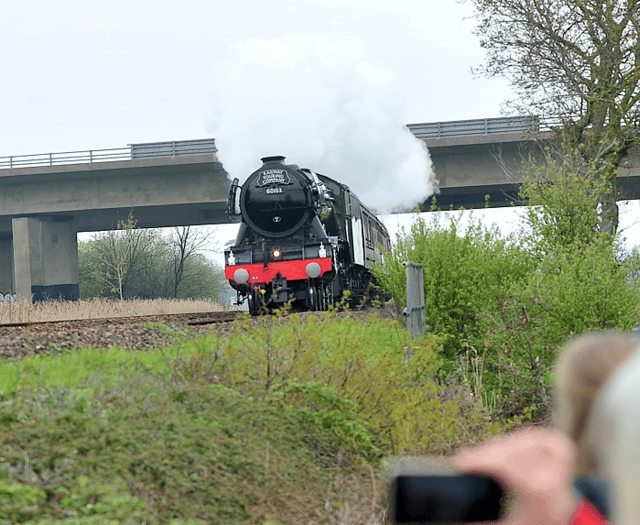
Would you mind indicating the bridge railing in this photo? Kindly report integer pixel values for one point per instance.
(66, 157)
(173, 148)
(485, 126)
(132, 151)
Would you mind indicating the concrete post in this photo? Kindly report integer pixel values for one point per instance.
(45, 259)
(414, 311)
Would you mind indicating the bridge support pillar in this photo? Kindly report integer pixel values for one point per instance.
(45, 259)
(6, 266)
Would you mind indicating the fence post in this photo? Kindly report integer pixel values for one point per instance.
(415, 311)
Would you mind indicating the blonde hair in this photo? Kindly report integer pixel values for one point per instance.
(584, 365)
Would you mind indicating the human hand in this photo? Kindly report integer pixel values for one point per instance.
(535, 467)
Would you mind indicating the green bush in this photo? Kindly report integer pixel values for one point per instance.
(145, 451)
(364, 362)
(503, 307)
(576, 291)
(467, 274)
(576, 286)
(272, 423)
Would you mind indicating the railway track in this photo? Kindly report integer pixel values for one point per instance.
(192, 319)
(134, 332)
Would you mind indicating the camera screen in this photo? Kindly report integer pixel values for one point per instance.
(453, 499)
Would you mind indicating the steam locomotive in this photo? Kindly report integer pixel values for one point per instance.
(304, 237)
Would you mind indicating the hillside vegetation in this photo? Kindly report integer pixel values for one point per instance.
(282, 420)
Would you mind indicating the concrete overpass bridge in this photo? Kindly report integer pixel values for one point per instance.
(46, 200)
(475, 158)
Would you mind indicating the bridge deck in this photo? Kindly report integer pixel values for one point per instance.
(161, 184)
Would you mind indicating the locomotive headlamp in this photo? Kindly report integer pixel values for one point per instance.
(276, 253)
(322, 252)
(231, 261)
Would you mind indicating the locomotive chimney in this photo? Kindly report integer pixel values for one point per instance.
(277, 158)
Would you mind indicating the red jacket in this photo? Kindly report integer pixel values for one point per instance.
(586, 514)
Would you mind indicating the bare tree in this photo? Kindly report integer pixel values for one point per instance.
(185, 243)
(116, 254)
(576, 60)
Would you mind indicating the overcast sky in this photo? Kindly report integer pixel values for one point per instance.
(82, 75)
(327, 83)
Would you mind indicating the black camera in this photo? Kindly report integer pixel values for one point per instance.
(432, 492)
(447, 498)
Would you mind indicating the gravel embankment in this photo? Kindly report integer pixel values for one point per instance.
(136, 333)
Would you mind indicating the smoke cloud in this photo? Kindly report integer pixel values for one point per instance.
(323, 103)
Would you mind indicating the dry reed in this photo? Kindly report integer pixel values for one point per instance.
(22, 311)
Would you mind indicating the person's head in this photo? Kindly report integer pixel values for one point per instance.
(613, 433)
(583, 366)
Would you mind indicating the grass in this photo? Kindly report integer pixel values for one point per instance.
(283, 421)
(23, 311)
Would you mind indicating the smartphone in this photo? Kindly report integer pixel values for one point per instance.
(455, 498)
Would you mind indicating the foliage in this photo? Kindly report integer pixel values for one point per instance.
(631, 267)
(268, 424)
(467, 272)
(138, 263)
(562, 209)
(577, 285)
(366, 363)
(144, 451)
(503, 308)
(116, 256)
(185, 243)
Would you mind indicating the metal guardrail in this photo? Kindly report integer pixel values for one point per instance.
(67, 157)
(485, 126)
(133, 151)
(173, 148)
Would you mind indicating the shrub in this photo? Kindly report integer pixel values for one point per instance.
(144, 451)
(502, 308)
(363, 361)
(467, 273)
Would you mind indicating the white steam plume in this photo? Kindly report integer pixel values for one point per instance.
(323, 104)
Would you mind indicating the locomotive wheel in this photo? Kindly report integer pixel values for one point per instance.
(251, 300)
(312, 297)
(326, 297)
